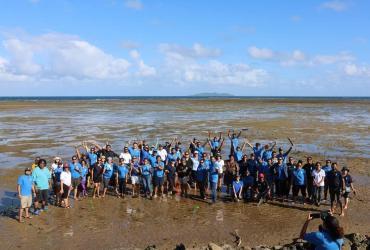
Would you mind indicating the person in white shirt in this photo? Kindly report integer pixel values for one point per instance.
(318, 183)
(162, 153)
(126, 156)
(65, 184)
(220, 166)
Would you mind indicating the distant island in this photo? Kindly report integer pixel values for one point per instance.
(210, 94)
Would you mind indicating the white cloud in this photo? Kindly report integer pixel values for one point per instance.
(134, 4)
(55, 55)
(196, 51)
(337, 6)
(297, 57)
(261, 53)
(352, 69)
(143, 69)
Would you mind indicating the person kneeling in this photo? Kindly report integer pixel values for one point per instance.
(262, 189)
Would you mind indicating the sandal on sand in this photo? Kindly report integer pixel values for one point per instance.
(28, 217)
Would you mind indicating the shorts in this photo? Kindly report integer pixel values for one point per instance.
(97, 179)
(334, 194)
(65, 191)
(184, 180)
(26, 201)
(76, 182)
(134, 180)
(56, 187)
(42, 195)
(346, 194)
(158, 181)
(106, 182)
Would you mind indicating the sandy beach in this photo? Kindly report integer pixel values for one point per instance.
(337, 129)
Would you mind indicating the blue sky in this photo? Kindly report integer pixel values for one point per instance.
(138, 47)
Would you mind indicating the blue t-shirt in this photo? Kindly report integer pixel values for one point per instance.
(238, 154)
(41, 177)
(122, 171)
(93, 158)
(258, 152)
(144, 154)
(299, 177)
(108, 170)
(215, 144)
(84, 171)
(263, 167)
(134, 152)
(25, 183)
(158, 172)
(202, 172)
(327, 169)
(145, 169)
(281, 174)
(200, 150)
(235, 142)
(267, 154)
(172, 157)
(57, 173)
(323, 241)
(252, 166)
(152, 160)
(237, 186)
(213, 174)
(75, 170)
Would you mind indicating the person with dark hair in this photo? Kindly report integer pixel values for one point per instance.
(299, 180)
(75, 168)
(41, 176)
(96, 175)
(66, 184)
(309, 167)
(202, 178)
(347, 186)
(25, 190)
(183, 172)
(318, 183)
(327, 168)
(335, 184)
(281, 178)
(262, 189)
(330, 234)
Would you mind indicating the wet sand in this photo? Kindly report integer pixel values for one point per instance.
(336, 129)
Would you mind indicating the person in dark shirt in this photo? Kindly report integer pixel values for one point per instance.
(248, 185)
(261, 189)
(170, 171)
(96, 175)
(335, 184)
(347, 186)
(243, 166)
(291, 166)
(309, 167)
(183, 173)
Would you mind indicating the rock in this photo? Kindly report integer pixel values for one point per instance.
(356, 238)
(213, 246)
(277, 247)
(180, 247)
(362, 246)
(347, 244)
(227, 247)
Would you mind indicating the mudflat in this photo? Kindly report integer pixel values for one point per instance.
(336, 129)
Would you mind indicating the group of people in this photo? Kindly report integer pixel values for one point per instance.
(165, 169)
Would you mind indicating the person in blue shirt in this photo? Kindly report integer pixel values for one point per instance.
(75, 168)
(41, 177)
(158, 176)
(107, 174)
(84, 172)
(213, 179)
(267, 152)
(215, 142)
(56, 182)
(144, 153)
(327, 168)
(252, 165)
(234, 140)
(281, 177)
(284, 155)
(173, 156)
(257, 149)
(238, 153)
(121, 175)
(347, 186)
(135, 176)
(146, 174)
(25, 190)
(328, 237)
(237, 188)
(135, 151)
(202, 178)
(153, 158)
(299, 180)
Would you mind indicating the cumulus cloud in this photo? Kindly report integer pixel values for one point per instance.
(337, 6)
(298, 57)
(196, 51)
(352, 69)
(185, 68)
(55, 55)
(143, 69)
(134, 4)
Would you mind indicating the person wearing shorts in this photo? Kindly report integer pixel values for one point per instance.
(41, 177)
(97, 177)
(75, 168)
(347, 186)
(66, 184)
(25, 189)
(158, 176)
(134, 173)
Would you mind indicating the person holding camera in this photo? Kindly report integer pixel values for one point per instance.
(328, 237)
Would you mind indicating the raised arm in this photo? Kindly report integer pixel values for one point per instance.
(78, 152)
(222, 143)
(248, 143)
(243, 146)
(220, 136)
(240, 133)
(228, 134)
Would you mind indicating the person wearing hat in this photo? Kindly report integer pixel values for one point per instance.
(25, 190)
(237, 188)
(66, 184)
(329, 236)
(261, 189)
(348, 186)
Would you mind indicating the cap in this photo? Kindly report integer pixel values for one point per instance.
(195, 152)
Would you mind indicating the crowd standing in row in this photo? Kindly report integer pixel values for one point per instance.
(161, 170)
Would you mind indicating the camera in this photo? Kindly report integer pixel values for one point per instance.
(322, 215)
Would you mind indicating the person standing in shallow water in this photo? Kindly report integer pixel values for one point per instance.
(25, 190)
